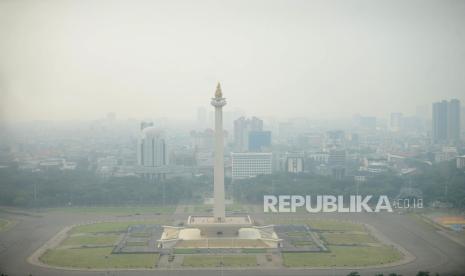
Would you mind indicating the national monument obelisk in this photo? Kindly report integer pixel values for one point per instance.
(218, 177)
(219, 231)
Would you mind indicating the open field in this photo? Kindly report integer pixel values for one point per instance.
(185, 251)
(90, 239)
(116, 210)
(5, 224)
(136, 243)
(90, 246)
(343, 256)
(302, 243)
(140, 235)
(433, 252)
(237, 207)
(349, 244)
(254, 250)
(203, 208)
(109, 227)
(212, 261)
(97, 258)
(334, 233)
(347, 238)
(334, 225)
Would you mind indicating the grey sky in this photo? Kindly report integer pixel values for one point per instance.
(81, 59)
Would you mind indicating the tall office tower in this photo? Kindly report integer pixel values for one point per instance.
(395, 123)
(242, 128)
(152, 151)
(446, 121)
(259, 140)
(453, 120)
(145, 124)
(256, 124)
(462, 117)
(218, 171)
(439, 121)
(337, 157)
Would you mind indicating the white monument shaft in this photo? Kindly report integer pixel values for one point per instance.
(218, 178)
(202, 228)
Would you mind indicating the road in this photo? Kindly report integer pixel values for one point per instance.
(433, 252)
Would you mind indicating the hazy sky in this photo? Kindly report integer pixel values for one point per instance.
(81, 59)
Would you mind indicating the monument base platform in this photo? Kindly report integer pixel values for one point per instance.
(206, 232)
(209, 227)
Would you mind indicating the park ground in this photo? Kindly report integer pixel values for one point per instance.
(89, 246)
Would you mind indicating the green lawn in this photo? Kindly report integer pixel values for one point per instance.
(106, 227)
(105, 235)
(137, 243)
(89, 239)
(297, 234)
(185, 251)
(140, 235)
(237, 207)
(348, 238)
(117, 210)
(212, 261)
(203, 208)
(254, 250)
(97, 258)
(302, 243)
(4, 224)
(344, 256)
(335, 225)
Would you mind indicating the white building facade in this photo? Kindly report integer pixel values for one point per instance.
(248, 164)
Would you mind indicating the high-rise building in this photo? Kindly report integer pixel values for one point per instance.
(152, 150)
(242, 127)
(145, 124)
(247, 164)
(439, 121)
(259, 140)
(453, 120)
(446, 121)
(395, 124)
(337, 157)
(295, 162)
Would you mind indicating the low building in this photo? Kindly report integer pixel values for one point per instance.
(446, 154)
(248, 164)
(295, 163)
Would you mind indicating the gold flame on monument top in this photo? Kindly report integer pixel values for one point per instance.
(218, 93)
